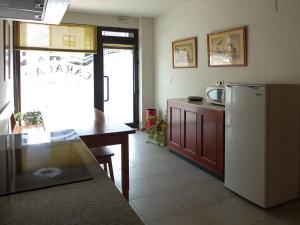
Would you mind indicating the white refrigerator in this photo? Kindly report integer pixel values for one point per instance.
(262, 133)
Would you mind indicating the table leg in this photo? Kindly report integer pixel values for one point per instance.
(125, 166)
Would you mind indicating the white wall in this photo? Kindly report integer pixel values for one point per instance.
(273, 44)
(100, 20)
(146, 54)
(6, 87)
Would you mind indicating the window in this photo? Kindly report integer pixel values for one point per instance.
(117, 34)
(55, 81)
(65, 37)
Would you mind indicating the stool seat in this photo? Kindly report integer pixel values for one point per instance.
(101, 151)
(103, 156)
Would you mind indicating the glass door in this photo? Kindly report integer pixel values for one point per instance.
(116, 75)
(118, 84)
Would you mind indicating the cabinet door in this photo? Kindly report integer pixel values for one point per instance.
(189, 134)
(174, 129)
(210, 147)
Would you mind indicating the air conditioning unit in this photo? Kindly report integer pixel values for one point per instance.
(43, 11)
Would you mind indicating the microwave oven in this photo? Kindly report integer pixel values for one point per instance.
(215, 95)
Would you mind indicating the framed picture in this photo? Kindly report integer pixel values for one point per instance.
(185, 53)
(227, 48)
(7, 49)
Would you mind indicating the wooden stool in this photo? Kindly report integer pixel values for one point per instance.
(103, 156)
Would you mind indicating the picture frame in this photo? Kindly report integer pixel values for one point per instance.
(6, 49)
(227, 48)
(184, 53)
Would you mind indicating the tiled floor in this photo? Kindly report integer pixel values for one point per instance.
(167, 190)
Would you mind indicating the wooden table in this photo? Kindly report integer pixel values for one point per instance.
(96, 130)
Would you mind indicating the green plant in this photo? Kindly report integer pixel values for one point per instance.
(151, 119)
(33, 118)
(157, 132)
(162, 121)
(19, 117)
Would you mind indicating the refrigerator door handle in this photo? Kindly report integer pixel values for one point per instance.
(244, 85)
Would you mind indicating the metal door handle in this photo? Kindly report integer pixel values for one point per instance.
(107, 89)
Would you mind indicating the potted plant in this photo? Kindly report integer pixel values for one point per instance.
(19, 118)
(33, 118)
(157, 133)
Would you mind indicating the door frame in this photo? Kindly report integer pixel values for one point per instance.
(99, 67)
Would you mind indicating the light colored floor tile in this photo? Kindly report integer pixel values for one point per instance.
(229, 212)
(217, 189)
(168, 182)
(176, 173)
(197, 176)
(180, 219)
(145, 187)
(154, 169)
(167, 190)
(190, 198)
(157, 207)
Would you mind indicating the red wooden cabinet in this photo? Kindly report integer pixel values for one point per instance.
(174, 131)
(196, 130)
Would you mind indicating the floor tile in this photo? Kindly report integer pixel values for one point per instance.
(273, 222)
(135, 210)
(217, 189)
(180, 219)
(157, 207)
(167, 190)
(288, 213)
(197, 176)
(229, 212)
(285, 208)
(155, 184)
(145, 187)
(154, 169)
(190, 198)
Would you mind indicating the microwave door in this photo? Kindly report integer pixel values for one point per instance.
(215, 95)
(212, 95)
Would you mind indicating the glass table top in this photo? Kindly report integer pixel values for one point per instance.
(34, 161)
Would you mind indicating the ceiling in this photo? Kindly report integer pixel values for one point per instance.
(136, 8)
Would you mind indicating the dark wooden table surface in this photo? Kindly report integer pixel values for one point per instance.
(95, 129)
